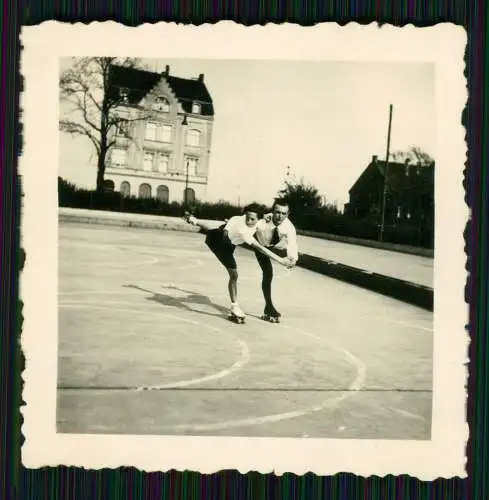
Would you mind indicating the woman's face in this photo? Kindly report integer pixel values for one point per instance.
(251, 219)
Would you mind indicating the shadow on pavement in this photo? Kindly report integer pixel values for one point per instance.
(183, 303)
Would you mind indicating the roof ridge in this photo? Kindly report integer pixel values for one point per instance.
(184, 90)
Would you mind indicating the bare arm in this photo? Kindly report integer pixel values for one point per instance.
(254, 244)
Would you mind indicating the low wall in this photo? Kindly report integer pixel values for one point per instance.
(395, 288)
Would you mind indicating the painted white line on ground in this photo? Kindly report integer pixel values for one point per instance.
(398, 322)
(119, 263)
(127, 247)
(243, 299)
(243, 359)
(406, 413)
(353, 389)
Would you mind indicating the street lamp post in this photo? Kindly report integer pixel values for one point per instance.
(186, 183)
(185, 194)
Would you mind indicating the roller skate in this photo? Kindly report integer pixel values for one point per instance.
(271, 314)
(236, 314)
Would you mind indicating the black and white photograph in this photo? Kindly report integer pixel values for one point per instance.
(250, 248)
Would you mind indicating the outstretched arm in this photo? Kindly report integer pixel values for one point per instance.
(204, 226)
(255, 245)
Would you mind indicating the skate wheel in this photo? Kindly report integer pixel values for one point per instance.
(236, 319)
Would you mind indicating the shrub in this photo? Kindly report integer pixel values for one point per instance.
(325, 219)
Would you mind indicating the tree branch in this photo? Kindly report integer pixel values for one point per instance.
(74, 128)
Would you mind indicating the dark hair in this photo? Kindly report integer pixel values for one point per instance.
(280, 201)
(253, 207)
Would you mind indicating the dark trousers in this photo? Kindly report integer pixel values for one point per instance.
(265, 264)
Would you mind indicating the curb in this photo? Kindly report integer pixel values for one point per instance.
(167, 226)
(405, 291)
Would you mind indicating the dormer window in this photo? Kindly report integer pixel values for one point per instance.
(162, 104)
(196, 108)
(124, 94)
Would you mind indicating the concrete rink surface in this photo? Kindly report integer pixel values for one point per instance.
(145, 346)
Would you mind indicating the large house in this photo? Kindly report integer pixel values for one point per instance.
(409, 196)
(162, 149)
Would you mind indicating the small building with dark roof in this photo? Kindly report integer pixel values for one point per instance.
(164, 144)
(410, 190)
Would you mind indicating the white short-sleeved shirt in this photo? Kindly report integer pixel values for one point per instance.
(238, 231)
(286, 233)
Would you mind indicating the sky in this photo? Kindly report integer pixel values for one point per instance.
(325, 120)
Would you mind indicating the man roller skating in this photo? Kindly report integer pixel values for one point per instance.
(277, 234)
(223, 240)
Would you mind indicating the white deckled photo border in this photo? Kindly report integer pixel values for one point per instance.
(42, 47)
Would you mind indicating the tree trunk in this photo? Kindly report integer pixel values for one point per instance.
(100, 171)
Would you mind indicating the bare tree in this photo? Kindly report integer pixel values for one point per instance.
(415, 156)
(94, 112)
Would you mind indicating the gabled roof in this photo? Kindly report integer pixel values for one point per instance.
(397, 172)
(139, 82)
(188, 91)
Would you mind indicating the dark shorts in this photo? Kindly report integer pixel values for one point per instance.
(222, 247)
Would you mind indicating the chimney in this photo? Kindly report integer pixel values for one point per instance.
(374, 159)
(201, 77)
(167, 70)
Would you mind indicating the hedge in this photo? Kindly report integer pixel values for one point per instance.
(323, 220)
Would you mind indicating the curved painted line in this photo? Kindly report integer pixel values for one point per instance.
(123, 247)
(353, 389)
(242, 361)
(244, 358)
(116, 263)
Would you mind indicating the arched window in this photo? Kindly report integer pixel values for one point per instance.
(162, 104)
(163, 194)
(193, 137)
(125, 189)
(189, 195)
(196, 108)
(109, 186)
(145, 191)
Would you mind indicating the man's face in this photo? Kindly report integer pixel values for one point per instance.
(251, 219)
(280, 213)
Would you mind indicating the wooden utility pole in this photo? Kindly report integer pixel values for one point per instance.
(386, 173)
